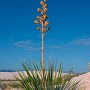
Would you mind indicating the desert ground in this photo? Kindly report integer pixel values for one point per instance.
(8, 78)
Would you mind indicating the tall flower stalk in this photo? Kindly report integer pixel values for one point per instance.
(41, 20)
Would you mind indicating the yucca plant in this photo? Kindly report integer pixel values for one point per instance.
(55, 79)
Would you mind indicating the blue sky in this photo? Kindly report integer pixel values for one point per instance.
(69, 37)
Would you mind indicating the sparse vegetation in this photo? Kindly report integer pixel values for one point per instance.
(2, 86)
(55, 79)
(14, 85)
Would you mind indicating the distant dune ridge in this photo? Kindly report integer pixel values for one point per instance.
(85, 78)
(11, 75)
(8, 75)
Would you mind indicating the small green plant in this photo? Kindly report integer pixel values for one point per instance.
(14, 85)
(2, 86)
(55, 79)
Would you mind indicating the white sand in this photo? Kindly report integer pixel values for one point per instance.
(7, 75)
(85, 78)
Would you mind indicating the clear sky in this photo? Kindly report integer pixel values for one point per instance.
(69, 37)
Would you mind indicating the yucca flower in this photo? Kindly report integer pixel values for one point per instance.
(44, 0)
(36, 21)
(38, 28)
(45, 10)
(46, 23)
(42, 3)
(39, 10)
(44, 17)
(38, 17)
(45, 5)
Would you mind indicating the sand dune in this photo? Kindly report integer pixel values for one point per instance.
(85, 80)
(8, 75)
